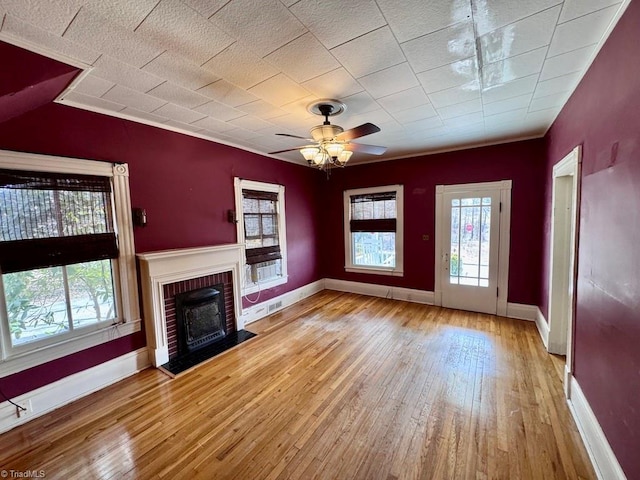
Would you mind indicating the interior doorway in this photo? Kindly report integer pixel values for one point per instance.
(564, 224)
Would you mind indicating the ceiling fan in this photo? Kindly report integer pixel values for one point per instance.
(333, 146)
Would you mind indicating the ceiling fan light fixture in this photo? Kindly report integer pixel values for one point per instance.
(320, 158)
(334, 149)
(332, 140)
(309, 153)
(344, 156)
(324, 133)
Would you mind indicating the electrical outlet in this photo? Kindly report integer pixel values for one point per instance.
(27, 409)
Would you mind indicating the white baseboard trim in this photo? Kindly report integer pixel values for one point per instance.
(521, 311)
(261, 310)
(45, 399)
(602, 457)
(543, 328)
(385, 291)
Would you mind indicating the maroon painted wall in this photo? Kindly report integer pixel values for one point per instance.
(522, 162)
(602, 116)
(40, 80)
(186, 186)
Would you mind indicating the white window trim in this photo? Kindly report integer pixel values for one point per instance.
(13, 360)
(398, 270)
(242, 184)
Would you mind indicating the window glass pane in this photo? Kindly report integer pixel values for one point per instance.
(469, 240)
(36, 304)
(253, 243)
(376, 249)
(83, 213)
(269, 226)
(91, 292)
(250, 205)
(363, 210)
(454, 258)
(269, 241)
(364, 207)
(356, 211)
(389, 209)
(29, 214)
(470, 236)
(455, 202)
(379, 210)
(251, 225)
(267, 206)
(485, 231)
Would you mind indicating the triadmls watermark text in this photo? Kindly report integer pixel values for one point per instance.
(23, 474)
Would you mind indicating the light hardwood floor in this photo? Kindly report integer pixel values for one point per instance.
(339, 386)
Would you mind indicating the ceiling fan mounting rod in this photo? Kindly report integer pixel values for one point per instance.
(326, 110)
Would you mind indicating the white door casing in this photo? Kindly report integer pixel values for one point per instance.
(562, 268)
(492, 296)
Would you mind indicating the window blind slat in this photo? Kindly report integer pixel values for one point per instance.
(21, 255)
(263, 254)
(373, 197)
(273, 196)
(53, 219)
(23, 180)
(376, 225)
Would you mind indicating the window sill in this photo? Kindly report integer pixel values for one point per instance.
(396, 272)
(22, 361)
(259, 287)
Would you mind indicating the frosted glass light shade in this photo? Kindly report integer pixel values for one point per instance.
(319, 158)
(334, 149)
(309, 152)
(344, 157)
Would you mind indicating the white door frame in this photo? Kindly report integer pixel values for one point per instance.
(503, 238)
(562, 260)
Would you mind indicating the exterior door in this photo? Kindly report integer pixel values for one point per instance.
(470, 239)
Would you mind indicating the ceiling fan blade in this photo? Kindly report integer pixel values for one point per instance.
(357, 132)
(287, 150)
(363, 148)
(293, 136)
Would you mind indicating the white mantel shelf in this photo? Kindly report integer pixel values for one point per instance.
(160, 268)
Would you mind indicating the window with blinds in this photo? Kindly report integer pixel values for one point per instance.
(57, 239)
(372, 229)
(260, 215)
(51, 219)
(373, 212)
(262, 229)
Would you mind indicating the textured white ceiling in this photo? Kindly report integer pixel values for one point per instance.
(432, 74)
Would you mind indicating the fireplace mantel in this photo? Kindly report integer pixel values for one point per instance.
(168, 266)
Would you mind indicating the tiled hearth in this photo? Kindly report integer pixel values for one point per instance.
(167, 273)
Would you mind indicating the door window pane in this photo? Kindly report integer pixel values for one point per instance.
(470, 235)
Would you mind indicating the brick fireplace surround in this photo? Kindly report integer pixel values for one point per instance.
(165, 273)
(170, 291)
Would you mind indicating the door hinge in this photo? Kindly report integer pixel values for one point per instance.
(500, 208)
(497, 292)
